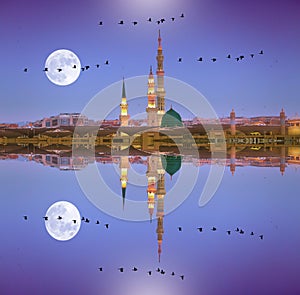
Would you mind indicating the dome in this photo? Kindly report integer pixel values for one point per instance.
(171, 119)
(171, 164)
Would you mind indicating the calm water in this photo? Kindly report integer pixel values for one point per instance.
(257, 199)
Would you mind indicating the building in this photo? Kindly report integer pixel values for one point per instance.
(63, 120)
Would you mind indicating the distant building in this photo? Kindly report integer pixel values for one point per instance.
(63, 120)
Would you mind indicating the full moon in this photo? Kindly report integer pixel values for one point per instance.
(65, 228)
(62, 67)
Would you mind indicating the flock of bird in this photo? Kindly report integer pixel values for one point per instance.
(149, 272)
(149, 20)
(179, 60)
(180, 228)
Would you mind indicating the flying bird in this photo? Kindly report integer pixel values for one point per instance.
(87, 67)
(74, 67)
(162, 20)
(25, 217)
(261, 237)
(200, 229)
(149, 272)
(213, 229)
(82, 218)
(87, 220)
(180, 59)
(172, 18)
(106, 225)
(74, 221)
(182, 15)
(134, 269)
(237, 229)
(59, 70)
(100, 23)
(173, 273)
(252, 55)
(241, 231)
(82, 69)
(200, 59)
(252, 233)
(45, 217)
(158, 22)
(121, 269)
(97, 65)
(25, 70)
(149, 19)
(179, 228)
(228, 56)
(182, 277)
(237, 58)
(158, 269)
(229, 232)
(97, 222)
(162, 272)
(214, 59)
(134, 23)
(121, 22)
(59, 218)
(261, 52)
(100, 268)
(242, 56)
(106, 62)
(45, 69)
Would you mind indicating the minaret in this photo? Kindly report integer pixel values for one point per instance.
(160, 90)
(124, 108)
(151, 190)
(232, 160)
(232, 123)
(282, 122)
(124, 165)
(282, 160)
(151, 108)
(160, 192)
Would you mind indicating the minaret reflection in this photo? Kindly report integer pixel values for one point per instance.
(160, 192)
(124, 166)
(152, 178)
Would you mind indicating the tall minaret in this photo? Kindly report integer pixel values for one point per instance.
(282, 122)
(124, 165)
(160, 90)
(151, 108)
(124, 108)
(160, 192)
(232, 123)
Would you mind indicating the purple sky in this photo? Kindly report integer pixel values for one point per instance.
(31, 30)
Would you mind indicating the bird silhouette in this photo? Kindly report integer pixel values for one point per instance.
(173, 273)
(182, 277)
(214, 59)
(134, 23)
(149, 272)
(106, 225)
(172, 18)
(45, 69)
(213, 229)
(59, 218)
(134, 269)
(25, 217)
(200, 229)
(25, 70)
(82, 69)
(180, 59)
(97, 222)
(237, 58)
(182, 15)
(97, 65)
(162, 272)
(100, 268)
(228, 56)
(87, 67)
(45, 217)
(149, 19)
(252, 233)
(106, 62)
(74, 66)
(158, 269)
(82, 218)
(252, 55)
(237, 229)
(162, 20)
(121, 22)
(261, 52)
(100, 23)
(59, 70)
(261, 237)
(87, 220)
(74, 221)
(200, 59)
(229, 232)
(179, 228)
(241, 231)
(121, 269)
(158, 22)
(242, 56)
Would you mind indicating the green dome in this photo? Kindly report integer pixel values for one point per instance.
(171, 119)
(171, 164)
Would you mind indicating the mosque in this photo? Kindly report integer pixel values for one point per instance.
(157, 165)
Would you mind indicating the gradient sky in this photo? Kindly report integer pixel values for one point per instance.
(31, 30)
